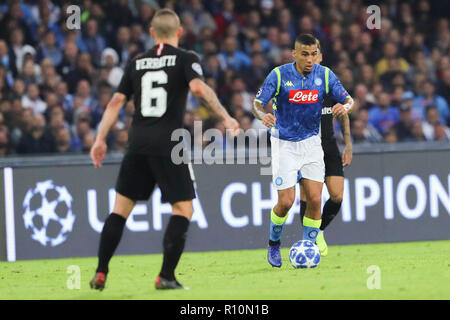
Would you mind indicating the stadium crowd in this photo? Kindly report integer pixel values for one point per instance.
(55, 82)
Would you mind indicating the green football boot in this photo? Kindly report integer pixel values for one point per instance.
(321, 243)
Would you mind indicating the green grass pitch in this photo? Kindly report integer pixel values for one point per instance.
(414, 270)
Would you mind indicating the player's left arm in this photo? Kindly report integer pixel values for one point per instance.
(204, 93)
(341, 110)
(347, 154)
(340, 95)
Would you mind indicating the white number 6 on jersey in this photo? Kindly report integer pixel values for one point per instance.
(149, 94)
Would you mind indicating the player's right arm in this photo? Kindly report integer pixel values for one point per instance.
(208, 97)
(109, 118)
(258, 111)
(269, 89)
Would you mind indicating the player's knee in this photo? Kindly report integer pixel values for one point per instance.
(336, 195)
(183, 209)
(314, 201)
(286, 203)
(336, 198)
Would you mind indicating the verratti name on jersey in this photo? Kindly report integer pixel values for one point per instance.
(297, 100)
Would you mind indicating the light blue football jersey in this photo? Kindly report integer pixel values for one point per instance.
(297, 100)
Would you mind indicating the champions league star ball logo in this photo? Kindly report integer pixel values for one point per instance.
(48, 213)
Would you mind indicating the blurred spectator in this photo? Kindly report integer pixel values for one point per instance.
(84, 70)
(417, 131)
(119, 13)
(14, 18)
(141, 37)
(444, 86)
(32, 100)
(93, 41)
(30, 72)
(69, 60)
(4, 141)
(49, 49)
(202, 18)
(17, 46)
(432, 121)
(62, 139)
(360, 97)
(122, 45)
(428, 97)
(37, 141)
(383, 116)
(442, 133)
(403, 128)
(257, 72)
(80, 129)
(145, 12)
(88, 142)
(121, 140)
(238, 86)
(231, 57)
(7, 59)
(391, 61)
(84, 92)
(391, 136)
(359, 132)
(362, 130)
(226, 16)
(18, 88)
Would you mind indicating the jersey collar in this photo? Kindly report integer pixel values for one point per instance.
(298, 74)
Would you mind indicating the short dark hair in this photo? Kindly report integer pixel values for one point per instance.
(306, 39)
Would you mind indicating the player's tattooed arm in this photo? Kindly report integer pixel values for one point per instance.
(208, 98)
(347, 154)
(258, 110)
(342, 109)
(267, 119)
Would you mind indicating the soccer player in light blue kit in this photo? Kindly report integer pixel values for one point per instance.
(298, 90)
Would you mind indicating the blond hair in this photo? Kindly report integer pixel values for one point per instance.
(165, 23)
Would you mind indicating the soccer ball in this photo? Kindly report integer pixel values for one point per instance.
(48, 213)
(304, 254)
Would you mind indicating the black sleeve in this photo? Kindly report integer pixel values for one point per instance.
(126, 85)
(192, 67)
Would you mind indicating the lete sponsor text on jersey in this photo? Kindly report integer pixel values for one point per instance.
(303, 96)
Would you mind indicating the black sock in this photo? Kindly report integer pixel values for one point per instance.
(330, 210)
(302, 210)
(274, 243)
(173, 245)
(109, 240)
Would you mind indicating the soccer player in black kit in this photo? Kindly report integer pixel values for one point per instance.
(334, 164)
(159, 80)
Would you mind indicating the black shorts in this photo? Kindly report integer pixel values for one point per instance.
(139, 173)
(332, 158)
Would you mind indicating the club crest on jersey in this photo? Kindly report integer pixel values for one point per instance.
(303, 96)
(318, 81)
(197, 68)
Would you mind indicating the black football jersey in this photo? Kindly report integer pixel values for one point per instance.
(326, 122)
(159, 81)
